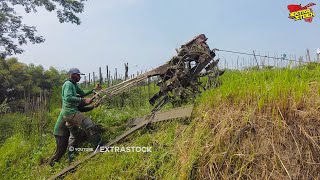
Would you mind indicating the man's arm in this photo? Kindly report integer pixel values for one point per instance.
(85, 108)
(69, 94)
(85, 93)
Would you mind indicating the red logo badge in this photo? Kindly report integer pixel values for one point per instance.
(298, 12)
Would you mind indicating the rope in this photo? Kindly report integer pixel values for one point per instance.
(249, 54)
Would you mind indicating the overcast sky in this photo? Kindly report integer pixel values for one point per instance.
(145, 33)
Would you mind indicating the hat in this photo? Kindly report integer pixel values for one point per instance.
(75, 71)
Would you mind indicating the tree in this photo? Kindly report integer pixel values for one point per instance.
(13, 33)
(14, 78)
(18, 79)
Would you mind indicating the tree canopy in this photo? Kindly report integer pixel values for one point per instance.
(18, 79)
(14, 33)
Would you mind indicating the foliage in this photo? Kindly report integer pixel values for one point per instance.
(12, 29)
(20, 156)
(18, 80)
(4, 108)
(196, 151)
(281, 104)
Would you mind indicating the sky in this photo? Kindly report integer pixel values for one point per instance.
(145, 33)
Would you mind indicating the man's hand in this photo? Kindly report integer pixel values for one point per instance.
(88, 100)
(98, 87)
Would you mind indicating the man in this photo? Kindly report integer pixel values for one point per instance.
(71, 122)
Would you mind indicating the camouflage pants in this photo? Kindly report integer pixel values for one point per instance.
(81, 128)
(62, 144)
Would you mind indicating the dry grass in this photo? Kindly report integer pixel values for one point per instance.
(258, 125)
(281, 143)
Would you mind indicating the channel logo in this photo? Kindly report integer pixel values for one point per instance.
(298, 12)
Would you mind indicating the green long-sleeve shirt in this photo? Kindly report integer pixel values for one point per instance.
(70, 101)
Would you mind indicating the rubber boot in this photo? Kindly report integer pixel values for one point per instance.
(94, 136)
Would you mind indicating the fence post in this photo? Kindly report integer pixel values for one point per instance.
(109, 78)
(308, 56)
(94, 79)
(116, 75)
(89, 80)
(254, 54)
(149, 81)
(100, 77)
(126, 71)
(108, 84)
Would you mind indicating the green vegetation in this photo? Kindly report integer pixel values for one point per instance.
(258, 124)
(4, 108)
(14, 33)
(19, 81)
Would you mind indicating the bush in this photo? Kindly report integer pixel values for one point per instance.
(4, 107)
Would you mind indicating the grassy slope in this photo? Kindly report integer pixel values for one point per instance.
(283, 140)
(282, 108)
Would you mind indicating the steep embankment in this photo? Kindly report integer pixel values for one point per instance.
(258, 124)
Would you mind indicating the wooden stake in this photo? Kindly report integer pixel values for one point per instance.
(116, 75)
(126, 66)
(256, 59)
(94, 79)
(89, 79)
(100, 76)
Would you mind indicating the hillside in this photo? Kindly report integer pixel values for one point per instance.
(258, 124)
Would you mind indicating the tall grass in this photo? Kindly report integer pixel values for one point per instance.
(258, 124)
(266, 101)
